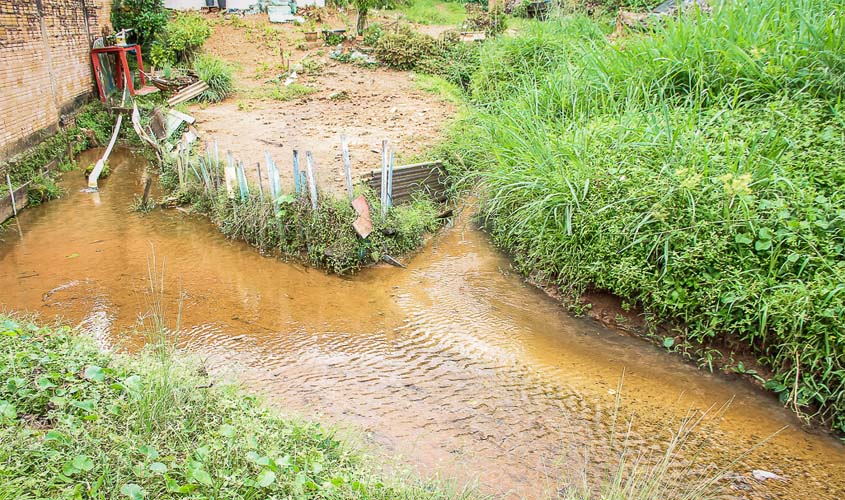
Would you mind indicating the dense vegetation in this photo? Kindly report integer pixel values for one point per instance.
(694, 169)
(289, 226)
(79, 423)
(92, 127)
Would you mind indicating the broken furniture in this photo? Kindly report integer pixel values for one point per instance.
(119, 72)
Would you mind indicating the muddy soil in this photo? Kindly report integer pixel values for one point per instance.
(366, 105)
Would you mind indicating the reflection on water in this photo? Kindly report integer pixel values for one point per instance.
(454, 364)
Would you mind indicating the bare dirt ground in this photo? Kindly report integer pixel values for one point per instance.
(366, 105)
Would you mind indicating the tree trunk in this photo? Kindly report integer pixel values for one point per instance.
(362, 22)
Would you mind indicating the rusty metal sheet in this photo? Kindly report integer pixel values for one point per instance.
(364, 223)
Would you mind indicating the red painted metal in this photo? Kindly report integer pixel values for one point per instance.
(122, 66)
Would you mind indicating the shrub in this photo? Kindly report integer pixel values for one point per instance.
(217, 74)
(372, 34)
(491, 22)
(181, 38)
(146, 19)
(404, 48)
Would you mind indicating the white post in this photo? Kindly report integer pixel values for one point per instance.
(347, 166)
(312, 180)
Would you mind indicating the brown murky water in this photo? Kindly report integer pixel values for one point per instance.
(453, 364)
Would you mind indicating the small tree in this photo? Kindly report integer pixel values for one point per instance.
(146, 18)
(363, 7)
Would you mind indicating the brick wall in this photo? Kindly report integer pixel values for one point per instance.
(44, 65)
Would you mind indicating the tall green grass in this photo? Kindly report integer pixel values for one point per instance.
(694, 170)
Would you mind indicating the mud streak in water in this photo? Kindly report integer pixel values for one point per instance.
(453, 364)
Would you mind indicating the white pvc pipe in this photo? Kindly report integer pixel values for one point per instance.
(101, 163)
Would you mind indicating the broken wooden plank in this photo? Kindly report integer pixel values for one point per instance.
(188, 93)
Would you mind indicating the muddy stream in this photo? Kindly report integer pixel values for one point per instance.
(454, 364)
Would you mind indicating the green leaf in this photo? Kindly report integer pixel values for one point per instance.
(743, 239)
(158, 467)
(228, 430)
(148, 451)
(668, 342)
(7, 410)
(133, 383)
(55, 436)
(133, 491)
(761, 245)
(174, 487)
(44, 383)
(87, 405)
(95, 373)
(83, 463)
(202, 477)
(265, 478)
(10, 327)
(68, 469)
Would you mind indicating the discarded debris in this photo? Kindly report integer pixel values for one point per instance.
(764, 475)
(188, 93)
(393, 262)
(363, 224)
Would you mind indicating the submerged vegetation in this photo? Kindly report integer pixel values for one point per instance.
(76, 422)
(693, 169)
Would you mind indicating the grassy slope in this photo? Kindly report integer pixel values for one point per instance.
(433, 12)
(79, 423)
(695, 171)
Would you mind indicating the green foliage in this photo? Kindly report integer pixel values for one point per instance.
(693, 170)
(491, 22)
(324, 238)
(217, 74)
(289, 226)
(76, 422)
(42, 188)
(404, 48)
(372, 34)
(180, 40)
(103, 173)
(278, 92)
(146, 18)
(28, 167)
(433, 12)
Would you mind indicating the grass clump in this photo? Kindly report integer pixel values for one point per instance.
(692, 170)
(81, 423)
(277, 92)
(217, 74)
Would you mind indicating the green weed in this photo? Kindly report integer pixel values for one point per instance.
(217, 74)
(76, 422)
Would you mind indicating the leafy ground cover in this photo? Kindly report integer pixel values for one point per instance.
(76, 422)
(693, 169)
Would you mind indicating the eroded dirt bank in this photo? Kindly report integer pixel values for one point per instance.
(455, 364)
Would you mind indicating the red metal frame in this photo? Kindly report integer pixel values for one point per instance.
(122, 66)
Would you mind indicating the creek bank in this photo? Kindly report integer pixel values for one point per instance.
(77, 421)
(35, 169)
(714, 214)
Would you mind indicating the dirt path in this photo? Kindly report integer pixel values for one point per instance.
(367, 105)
